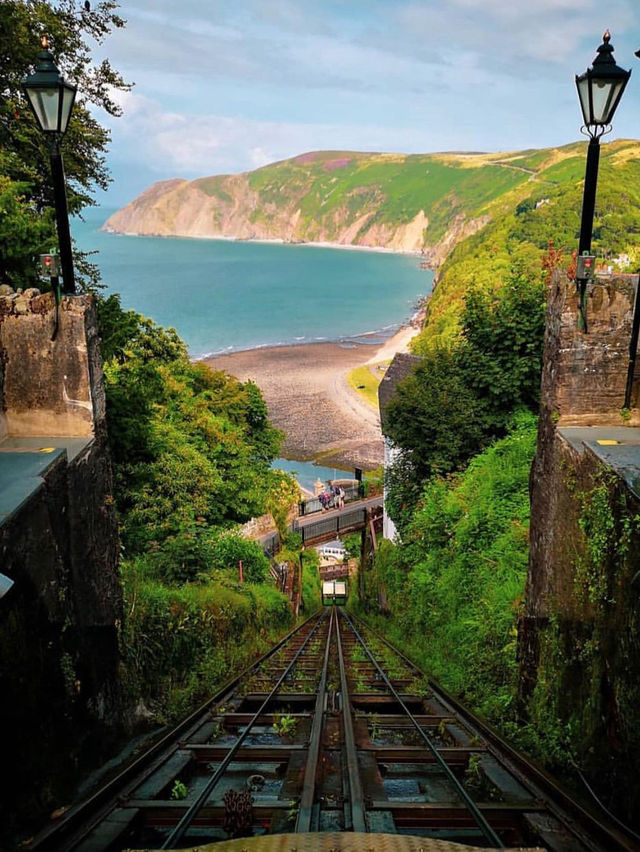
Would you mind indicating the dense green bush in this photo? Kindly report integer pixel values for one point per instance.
(229, 550)
(459, 399)
(456, 583)
(181, 643)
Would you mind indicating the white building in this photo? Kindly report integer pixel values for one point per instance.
(399, 369)
(333, 550)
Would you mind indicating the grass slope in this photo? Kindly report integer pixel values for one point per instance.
(522, 225)
(330, 193)
(456, 583)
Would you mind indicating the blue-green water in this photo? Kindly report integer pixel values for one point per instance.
(307, 473)
(222, 295)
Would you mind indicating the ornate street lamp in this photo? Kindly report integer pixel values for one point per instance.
(51, 98)
(599, 89)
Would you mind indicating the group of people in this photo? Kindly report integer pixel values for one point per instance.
(333, 496)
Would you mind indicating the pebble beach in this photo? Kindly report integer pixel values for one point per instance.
(308, 397)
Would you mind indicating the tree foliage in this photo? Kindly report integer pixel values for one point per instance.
(459, 399)
(24, 157)
(24, 233)
(192, 446)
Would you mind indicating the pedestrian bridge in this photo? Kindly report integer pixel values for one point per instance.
(323, 526)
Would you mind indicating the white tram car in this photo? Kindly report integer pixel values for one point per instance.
(334, 592)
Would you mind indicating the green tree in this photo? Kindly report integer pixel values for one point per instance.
(457, 400)
(229, 550)
(23, 232)
(25, 159)
(501, 355)
(192, 446)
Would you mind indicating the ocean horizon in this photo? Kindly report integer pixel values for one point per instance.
(224, 295)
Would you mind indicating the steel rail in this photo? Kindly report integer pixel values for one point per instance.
(356, 797)
(303, 823)
(86, 815)
(526, 772)
(177, 834)
(471, 806)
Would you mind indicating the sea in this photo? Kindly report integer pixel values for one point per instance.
(225, 295)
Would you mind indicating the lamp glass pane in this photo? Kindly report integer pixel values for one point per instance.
(45, 106)
(605, 95)
(68, 97)
(583, 93)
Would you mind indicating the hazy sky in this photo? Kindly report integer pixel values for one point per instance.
(228, 86)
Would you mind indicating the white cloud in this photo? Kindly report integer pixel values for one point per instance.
(225, 87)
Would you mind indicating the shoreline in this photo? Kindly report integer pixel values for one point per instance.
(371, 339)
(309, 398)
(388, 341)
(272, 241)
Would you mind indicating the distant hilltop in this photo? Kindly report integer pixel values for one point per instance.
(422, 203)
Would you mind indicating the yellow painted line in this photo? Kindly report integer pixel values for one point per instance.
(606, 442)
(47, 450)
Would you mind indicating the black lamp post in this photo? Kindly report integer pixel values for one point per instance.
(51, 98)
(599, 89)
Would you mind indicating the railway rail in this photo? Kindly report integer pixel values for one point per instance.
(332, 731)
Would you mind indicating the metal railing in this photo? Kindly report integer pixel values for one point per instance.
(271, 545)
(351, 492)
(344, 522)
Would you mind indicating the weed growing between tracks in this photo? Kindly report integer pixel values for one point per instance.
(285, 725)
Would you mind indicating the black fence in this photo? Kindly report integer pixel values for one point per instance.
(271, 545)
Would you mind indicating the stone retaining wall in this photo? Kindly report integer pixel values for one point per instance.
(578, 639)
(59, 624)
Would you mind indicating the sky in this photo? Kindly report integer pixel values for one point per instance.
(223, 87)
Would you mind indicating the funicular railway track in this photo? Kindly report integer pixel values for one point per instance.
(332, 731)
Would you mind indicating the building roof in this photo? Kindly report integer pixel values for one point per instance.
(336, 543)
(401, 366)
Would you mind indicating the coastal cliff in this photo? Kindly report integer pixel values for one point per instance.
(405, 203)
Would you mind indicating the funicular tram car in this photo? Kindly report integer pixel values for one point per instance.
(334, 592)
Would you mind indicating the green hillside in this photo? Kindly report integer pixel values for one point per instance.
(332, 184)
(419, 202)
(475, 217)
(516, 240)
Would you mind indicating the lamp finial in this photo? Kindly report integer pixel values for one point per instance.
(606, 38)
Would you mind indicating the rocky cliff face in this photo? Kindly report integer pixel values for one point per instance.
(181, 209)
(422, 203)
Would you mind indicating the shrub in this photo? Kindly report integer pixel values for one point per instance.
(231, 549)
